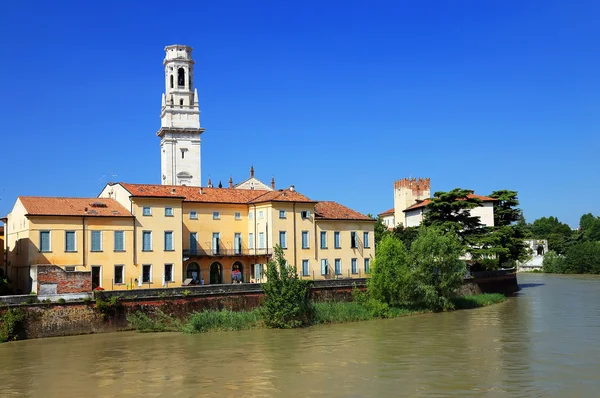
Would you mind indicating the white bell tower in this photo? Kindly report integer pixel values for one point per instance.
(180, 120)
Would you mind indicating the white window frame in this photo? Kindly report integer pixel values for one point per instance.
(261, 214)
(144, 211)
(324, 266)
(115, 241)
(122, 274)
(237, 215)
(338, 244)
(150, 234)
(92, 241)
(261, 240)
(172, 241)
(250, 240)
(307, 262)
(193, 215)
(336, 270)
(172, 272)
(305, 214)
(282, 214)
(354, 266)
(216, 215)
(366, 240)
(74, 241)
(250, 215)
(355, 244)
(307, 239)
(321, 240)
(150, 274)
(284, 244)
(166, 212)
(367, 265)
(49, 249)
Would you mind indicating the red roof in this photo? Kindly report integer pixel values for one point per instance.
(89, 207)
(335, 211)
(214, 195)
(471, 196)
(388, 212)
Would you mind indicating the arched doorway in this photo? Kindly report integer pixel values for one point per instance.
(237, 272)
(216, 273)
(540, 250)
(193, 271)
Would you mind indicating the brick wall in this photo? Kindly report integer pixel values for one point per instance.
(65, 282)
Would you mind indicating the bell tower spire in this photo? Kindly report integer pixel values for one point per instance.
(180, 120)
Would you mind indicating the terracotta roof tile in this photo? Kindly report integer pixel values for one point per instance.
(387, 212)
(426, 201)
(214, 195)
(335, 211)
(52, 206)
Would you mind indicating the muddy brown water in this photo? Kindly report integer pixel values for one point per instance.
(545, 342)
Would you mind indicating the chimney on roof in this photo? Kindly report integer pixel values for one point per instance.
(273, 183)
(230, 182)
(200, 190)
(251, 171)
(209, 183)
(173, 190)
(292, 188)
(85, 211)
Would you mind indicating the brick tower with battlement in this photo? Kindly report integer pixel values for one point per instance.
(407, 192)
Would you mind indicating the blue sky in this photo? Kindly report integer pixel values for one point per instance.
(337, 98)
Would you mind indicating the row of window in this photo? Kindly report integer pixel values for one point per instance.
(147, 211)
(336, 240)
(71, 243)
(119, 274)
(337, 266)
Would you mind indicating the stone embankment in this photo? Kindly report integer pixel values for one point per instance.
(58, 318)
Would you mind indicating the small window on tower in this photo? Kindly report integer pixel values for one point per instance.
(181, 102)
(171, 81)
(181, 77)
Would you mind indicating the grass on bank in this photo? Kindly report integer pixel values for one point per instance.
(322, 313)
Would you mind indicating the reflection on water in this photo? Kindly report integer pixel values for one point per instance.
(543, 343)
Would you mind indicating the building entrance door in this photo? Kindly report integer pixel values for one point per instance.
(95, 276)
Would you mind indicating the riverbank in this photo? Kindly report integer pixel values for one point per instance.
(323, 313)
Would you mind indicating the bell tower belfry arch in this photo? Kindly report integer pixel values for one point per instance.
(180, 120)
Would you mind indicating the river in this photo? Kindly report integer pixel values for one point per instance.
(545, 342)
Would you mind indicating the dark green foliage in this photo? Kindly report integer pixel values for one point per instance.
(108, 308)
(225, 320)
(390, 273)
(478, 300)
(583, 258)
(554, 263)
(505, 208)
(286, 303)
(438, 270)
(451, 211)
(11, 324)
(61, 301)
(159, 322)
(590, 227)
(381, 230)
(559, 234)
(406, 235)
(424, 278)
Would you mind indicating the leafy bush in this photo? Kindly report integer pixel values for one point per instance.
(61, 300)
(228, 320)
(286, 303)
(478, 300)
(583, 258)
(554, 263)
(161, 322)
(11, 324)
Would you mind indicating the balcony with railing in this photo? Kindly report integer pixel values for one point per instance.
(225, 252)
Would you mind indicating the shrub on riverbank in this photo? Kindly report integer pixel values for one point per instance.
(286, 304)
(11, 324)
(226, 320)
(425, 277)
(477, 300)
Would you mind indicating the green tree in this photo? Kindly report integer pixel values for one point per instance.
(438, 269)
(505, 208)
(451, 211)
(381, 230)
(406, 235)
(391, 274)
(583, 258)
(554, 263)
(286, 303)
(559, 234)
(589, 226)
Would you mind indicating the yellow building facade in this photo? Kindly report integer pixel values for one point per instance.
(138, 236)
